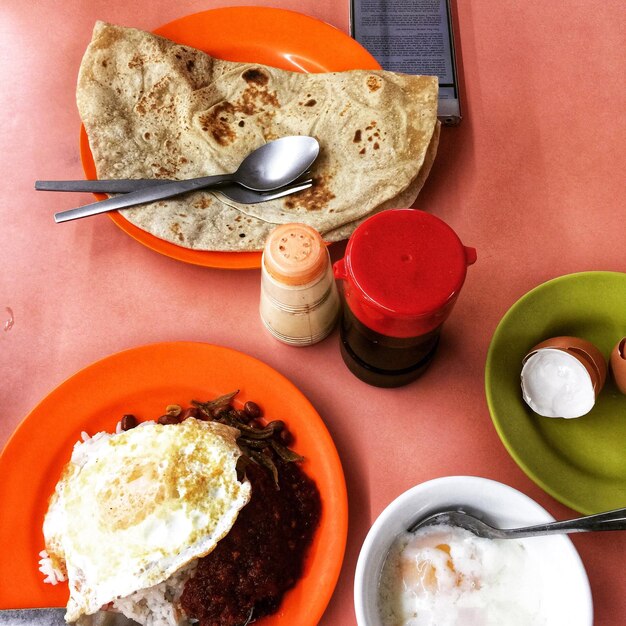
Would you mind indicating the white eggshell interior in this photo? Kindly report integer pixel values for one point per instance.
(556, 384)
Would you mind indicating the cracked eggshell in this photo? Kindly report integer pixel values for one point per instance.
(618, 364)
(556, 386)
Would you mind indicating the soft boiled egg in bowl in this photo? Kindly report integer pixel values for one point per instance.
(445, 576)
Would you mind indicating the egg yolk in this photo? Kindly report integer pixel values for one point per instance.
(432, 574)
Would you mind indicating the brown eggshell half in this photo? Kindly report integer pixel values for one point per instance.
(618, 364)
(585, 352)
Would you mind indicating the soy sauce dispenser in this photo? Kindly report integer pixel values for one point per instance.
(402, 272)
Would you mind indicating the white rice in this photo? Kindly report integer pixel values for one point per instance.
(158, 605)
(52, 575)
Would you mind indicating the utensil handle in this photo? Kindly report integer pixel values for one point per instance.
(121, 185)
(32, 617)
(150, 194)
(610, 520)
(128, 185)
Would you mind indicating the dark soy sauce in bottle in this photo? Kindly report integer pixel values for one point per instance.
(402, 272)
(381, 360)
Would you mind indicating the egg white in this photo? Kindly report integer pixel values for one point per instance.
(446, 576)
(132, 509)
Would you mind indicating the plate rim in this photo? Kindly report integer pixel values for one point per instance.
(572, 502)
(244, 260)
(335, 503)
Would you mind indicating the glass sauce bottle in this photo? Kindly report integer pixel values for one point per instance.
(402, 273)
(299, 297)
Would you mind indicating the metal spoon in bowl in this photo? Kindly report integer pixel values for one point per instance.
(271, 166)
(611, 520)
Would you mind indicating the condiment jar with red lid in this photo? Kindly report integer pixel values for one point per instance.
(402, 272)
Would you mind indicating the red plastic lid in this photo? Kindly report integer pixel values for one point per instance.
(403, 270)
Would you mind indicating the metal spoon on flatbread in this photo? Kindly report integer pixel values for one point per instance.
(234, 192)
(273, 165)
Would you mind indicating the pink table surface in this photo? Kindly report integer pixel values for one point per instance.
(533, 178)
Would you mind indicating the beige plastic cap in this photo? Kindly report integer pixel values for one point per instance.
(295, 254)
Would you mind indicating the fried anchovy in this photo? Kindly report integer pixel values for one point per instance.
(211, 407)
(263, 459)
(257, 444)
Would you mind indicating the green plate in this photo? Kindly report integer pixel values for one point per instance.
(581, 462)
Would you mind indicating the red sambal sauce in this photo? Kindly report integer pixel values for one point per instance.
(263, 554)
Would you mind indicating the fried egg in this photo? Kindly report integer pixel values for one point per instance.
(134, 508)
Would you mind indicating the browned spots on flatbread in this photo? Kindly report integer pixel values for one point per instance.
(176, 231)
(253, 99)
(135, 62)
(203, 202)
(256, 99)
(187, 55)
(215, 121)
(371, 136)
(314, 198)
(310, 103)
(345, 109)
(266, 123)
(160, 170)
(374, 83)
(256, 76)
(157, 99)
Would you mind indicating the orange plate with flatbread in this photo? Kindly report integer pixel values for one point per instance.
(276, 37)
(143, 381)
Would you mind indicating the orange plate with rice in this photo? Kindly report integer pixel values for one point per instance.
(143, 381)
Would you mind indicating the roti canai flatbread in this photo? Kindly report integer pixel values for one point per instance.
(403, 200)
(156, 109)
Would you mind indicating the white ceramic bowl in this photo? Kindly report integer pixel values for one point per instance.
(567, 596)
